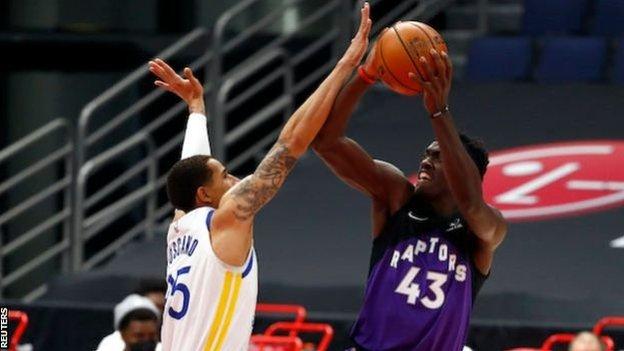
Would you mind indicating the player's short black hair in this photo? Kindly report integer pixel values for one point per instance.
(147, 286)
(140, 314)
(184, 178)
(476, 150)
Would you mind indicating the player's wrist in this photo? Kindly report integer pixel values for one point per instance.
(197, 106)
(439, 112)
(365, 76)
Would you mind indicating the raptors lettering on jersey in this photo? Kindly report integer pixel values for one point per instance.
(430, 246)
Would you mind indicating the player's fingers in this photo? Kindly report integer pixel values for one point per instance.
(363, 28)
(430, 75)
(152, 65)
(160, 70)
(448, 65)
(364, 17)
(159, 63)
(161, 84)
(440, 69)
(170, 73)
(416, 77)
(189, 74)
(155, 69)
(362, 50)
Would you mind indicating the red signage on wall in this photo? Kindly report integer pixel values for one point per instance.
(556, 180)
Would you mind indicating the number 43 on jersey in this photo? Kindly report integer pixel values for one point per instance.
(412, 290)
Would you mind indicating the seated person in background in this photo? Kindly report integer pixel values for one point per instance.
(586, 341)
(155, 290)
(137, 322)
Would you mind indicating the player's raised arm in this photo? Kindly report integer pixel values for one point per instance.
(382, 182)
(239, 205)
(189, 89)
(460, 170)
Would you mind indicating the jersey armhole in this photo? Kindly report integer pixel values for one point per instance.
(236, 269)
(478, 279)
(383, 234)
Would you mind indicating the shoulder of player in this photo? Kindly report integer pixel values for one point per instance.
(226, 216)
(385, 166)
(397, 187)
(501, 227)
(236, 190)
(177, 214)
(198, 216)
(497, 217)
(492, 227)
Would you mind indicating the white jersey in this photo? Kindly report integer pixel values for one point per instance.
(210, 305)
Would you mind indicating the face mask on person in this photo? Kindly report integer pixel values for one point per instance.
(143, 346)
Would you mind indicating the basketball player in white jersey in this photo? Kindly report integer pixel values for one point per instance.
(211, 264)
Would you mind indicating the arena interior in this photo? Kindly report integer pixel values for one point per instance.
(87, 141)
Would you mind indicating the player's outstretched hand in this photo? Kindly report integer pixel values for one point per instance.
(371, 63)
(188, 88)
(435, 80)
(356, 50)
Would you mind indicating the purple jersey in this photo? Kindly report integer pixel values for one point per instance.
(421, 284)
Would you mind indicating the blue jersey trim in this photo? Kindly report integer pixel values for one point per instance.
(209, 218)
(249, 265)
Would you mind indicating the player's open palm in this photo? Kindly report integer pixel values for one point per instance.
(188, 88)
(356, 50)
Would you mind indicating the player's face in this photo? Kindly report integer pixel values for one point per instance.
(431, 180)
(221, 181)
(139, 332)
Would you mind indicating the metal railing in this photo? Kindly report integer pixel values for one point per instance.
(90, 140)
(406, 10)
(87, 227)
(57, 221)
(86, 138)
(129, 202)
(226, 79)
(283, 104)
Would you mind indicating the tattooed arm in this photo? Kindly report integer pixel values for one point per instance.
(231, 229)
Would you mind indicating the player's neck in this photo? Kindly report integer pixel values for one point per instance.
(443, 206)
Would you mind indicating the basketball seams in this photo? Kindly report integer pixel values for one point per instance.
(404, 46)
(424, 31)
(407, 38)
(381, 54)
(433, 44)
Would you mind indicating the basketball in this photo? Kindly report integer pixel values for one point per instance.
(399, 49)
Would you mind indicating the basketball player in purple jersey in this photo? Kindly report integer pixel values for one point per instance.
(433, 243)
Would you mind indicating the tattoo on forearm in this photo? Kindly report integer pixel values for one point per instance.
(253, 192)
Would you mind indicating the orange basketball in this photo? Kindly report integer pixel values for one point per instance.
(398, 51)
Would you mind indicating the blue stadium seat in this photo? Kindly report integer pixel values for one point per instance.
(572, 59)
(609, 19)
(499, 58)
(618, 64)
(554, 16)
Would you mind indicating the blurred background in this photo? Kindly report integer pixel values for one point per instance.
(86, 142)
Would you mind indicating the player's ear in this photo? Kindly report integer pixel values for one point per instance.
(202, 196)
